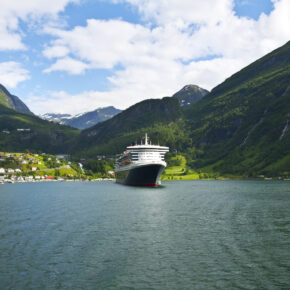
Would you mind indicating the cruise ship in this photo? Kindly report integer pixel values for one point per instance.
(141, 165)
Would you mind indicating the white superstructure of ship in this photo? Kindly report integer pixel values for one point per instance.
(141, 165)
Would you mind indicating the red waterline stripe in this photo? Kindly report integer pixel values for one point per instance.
(145, 184)
(149, 184)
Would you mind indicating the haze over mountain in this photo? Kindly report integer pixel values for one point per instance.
(83, 120)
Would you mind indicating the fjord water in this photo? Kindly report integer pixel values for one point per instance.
(182, 235)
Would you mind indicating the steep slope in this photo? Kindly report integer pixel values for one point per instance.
(112, 135)
(85, 120)
(190, 94)
(242, 126)
(19, 132)
(12, 102)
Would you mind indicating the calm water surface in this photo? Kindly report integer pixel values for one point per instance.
(183, 235)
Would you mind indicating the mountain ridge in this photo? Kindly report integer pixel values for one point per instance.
(12, 101)
(239, 123)
(83, 120)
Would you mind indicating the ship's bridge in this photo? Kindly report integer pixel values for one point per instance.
(147, 152)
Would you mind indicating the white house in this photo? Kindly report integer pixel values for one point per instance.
(2, 170)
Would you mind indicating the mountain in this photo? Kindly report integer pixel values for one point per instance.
(12, 102)
(20, 131)
(84, 120)
(242, 125)
(150, 115)
(110, 136)
(189, 95)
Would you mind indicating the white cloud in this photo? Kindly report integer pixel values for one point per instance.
(183, 12)
(171, 49)
(156, 60)
(12, 73)
(133, 85)
(102, 43)
(29, 11)
(68, 64)
(56, 51)
(9, 40)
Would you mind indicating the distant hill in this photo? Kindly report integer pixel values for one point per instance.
(55, 117)
(12, 102)
(22, 130)
(190, 94)
(19, 132)
(84, 120)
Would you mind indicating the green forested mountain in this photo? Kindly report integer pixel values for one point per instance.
(241, 127)
(111, 136)
(19, 132)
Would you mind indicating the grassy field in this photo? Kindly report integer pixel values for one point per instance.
(179, 171)
(63, 172)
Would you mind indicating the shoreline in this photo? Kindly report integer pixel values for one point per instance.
(7, 181)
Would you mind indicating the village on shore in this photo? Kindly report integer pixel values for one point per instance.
(41, 167)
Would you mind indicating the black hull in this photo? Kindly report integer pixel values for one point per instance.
(146, 175)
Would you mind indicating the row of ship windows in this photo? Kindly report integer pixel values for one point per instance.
(147, 159)
(148, 153)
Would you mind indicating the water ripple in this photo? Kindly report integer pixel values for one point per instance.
(183, 235)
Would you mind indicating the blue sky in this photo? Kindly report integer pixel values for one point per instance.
(72, 56)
